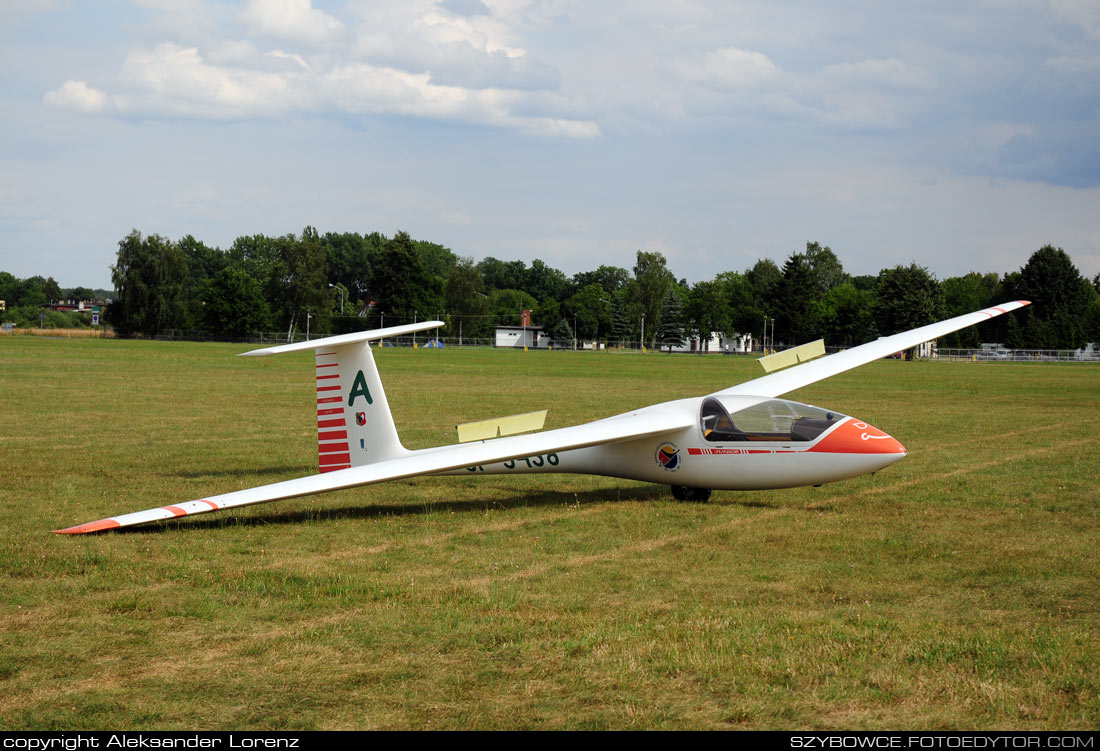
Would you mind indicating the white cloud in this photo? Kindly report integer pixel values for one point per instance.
(424, 62)
(175, 80)
(456, 217)
(731, 67)
(79, 96)
(291, 20)
(891, 73)
(1083, 13)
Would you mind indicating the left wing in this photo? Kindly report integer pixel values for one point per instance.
(788, 380)
(645, 422)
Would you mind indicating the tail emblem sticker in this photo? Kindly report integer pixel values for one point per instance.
(360, 418)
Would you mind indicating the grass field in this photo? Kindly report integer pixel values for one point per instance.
(957, 589)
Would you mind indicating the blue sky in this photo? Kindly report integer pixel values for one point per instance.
(960, 135)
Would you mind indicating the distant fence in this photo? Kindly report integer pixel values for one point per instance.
(1020, 355)
(271, 338)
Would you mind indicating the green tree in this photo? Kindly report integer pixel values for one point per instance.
(1092, 322)
(9, 289)
(611, 278)
(590, 311)
(438, 260)
(150, 274)
(707, 310)
(542, 281)
(203, 264)
(298, 288)
(671, 331)
(1059, 297)
(825, 268)
(844, 315)
(651, 285)
(908, 297)
(966, 294)
(256, 254)
(233, 305)
(745, 315)
(765, 278)
(348, 258)
(403, 288)
(620, 322)
(466, 301)
(505, 306)
(499, 274)
(794, 303)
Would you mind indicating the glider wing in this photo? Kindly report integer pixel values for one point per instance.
(788, 380)
(639, 424)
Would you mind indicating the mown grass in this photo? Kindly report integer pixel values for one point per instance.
(956, 589)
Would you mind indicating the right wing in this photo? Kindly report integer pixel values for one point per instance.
(646, 422)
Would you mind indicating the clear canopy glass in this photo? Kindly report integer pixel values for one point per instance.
(771, 420)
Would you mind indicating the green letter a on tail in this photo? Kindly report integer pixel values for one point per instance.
(359, 388)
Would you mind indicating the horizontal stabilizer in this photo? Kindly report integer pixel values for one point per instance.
(500, 426)
(792, 356)
(356, 336)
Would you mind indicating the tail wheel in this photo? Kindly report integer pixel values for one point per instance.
(684, 493)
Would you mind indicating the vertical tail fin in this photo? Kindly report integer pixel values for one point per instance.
(354, 422)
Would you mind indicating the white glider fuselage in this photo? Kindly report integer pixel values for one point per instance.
(764, 460)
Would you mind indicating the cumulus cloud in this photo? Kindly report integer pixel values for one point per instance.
(291, 20)
(736, 68)
(79, 96)
(449, 62)
(890, 73)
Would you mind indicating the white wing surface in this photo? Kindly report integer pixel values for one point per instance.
(646, 422)
(788, 380)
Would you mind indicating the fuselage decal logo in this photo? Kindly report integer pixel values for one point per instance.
(668, 457)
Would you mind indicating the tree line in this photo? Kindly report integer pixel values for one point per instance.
(339, 282)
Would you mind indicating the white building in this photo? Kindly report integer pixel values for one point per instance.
(519, 336)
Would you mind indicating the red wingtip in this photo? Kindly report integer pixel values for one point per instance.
(84, 529)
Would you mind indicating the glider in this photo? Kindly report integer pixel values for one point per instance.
(741, 438)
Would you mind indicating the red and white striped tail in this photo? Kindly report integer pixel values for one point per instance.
(333, 449)
(354, 424)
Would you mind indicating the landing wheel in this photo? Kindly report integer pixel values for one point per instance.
(684, 493)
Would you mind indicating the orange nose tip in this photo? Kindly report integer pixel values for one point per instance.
(857, 437)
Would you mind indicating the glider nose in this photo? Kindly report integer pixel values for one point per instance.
(858, 437)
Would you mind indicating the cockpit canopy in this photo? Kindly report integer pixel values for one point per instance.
(769, 420)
